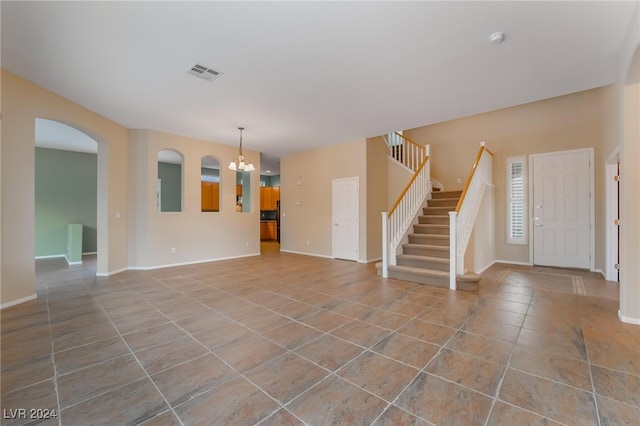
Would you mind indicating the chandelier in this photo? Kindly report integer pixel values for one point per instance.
(239, 163)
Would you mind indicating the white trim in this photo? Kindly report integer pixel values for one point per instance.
(486, 267)
(70, 263)
(628, 320)
(308, 254)
(599, 271)
(377, 259)
(52, 256)
(107, 274)
(611, 208)
(592, 201)
(89, 253)
(170, 265)
(18, 301)
(513, 262)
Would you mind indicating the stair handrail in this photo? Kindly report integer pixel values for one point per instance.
(396, 222)
(404, 150)
(462, 219)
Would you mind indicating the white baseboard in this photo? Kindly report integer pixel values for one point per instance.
(18, 301)
(51, 256)
(599, 271)
(486, 267)
(510, 262)
(148, 268)
(89, 253)
(108, 274)
(307, 254)
(70, 263)
(629, 320)
(377, 259)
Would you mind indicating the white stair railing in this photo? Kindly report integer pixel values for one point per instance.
(407, 152)
(461, 220)
(400, 217)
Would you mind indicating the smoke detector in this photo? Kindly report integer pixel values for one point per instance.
(496, 38)
(203, 72)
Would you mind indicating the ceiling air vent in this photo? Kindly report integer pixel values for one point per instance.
(203, 72)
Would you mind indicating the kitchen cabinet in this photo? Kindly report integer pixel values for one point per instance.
(268, 231)
(269, 196)
(210, 196)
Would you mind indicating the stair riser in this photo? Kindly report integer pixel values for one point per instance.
(442, 254)
(437, 210)
(424, 264)
(434, 220)
(442, 203)
(430, 229)
(407, 276)
(426, 239)
(446, 194)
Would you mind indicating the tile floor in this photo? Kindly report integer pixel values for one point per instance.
(284, 339)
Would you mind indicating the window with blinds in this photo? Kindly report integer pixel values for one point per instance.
(516, 201)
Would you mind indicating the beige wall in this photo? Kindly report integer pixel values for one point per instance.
(195, 235)
(22, 103)
(307, 178)
(399, 177)
(629, 96)
(130, 232)
(377, 178)
(562, 123)
(630, 207)
(480, 252)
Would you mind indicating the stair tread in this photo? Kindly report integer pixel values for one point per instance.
(426, 246)
(425, 258)
(433, 225)
(439, 216)
(436, 236)
(420, 271)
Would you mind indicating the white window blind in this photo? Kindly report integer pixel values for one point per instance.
(516, 201)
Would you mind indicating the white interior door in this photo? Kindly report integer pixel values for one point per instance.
(346, 234)
(562, 209)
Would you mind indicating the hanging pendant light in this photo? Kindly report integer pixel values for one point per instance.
(239, 163)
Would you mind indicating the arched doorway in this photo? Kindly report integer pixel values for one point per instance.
(66, 189)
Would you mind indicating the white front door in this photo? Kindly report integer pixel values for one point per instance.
(562, 209)
(346, 234)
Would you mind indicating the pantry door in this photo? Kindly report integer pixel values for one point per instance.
(346, 232)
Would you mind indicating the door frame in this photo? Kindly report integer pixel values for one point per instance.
(611, 213)
(333, 218)
(592, 205)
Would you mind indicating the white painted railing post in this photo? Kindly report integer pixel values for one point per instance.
(453, 251)
(385, 244)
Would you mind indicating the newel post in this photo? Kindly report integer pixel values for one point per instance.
(385, 247)
(453, 250)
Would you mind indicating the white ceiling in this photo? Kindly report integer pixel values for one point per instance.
(300, 75)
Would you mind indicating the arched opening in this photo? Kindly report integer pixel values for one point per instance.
(66, 193)
(210, 184)
(169, 189)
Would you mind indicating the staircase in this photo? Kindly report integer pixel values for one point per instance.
(425, 258)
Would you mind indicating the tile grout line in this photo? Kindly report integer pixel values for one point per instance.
(55, 369)
(422, 370)
(586, 350)
(143, 369)
(507, 365)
